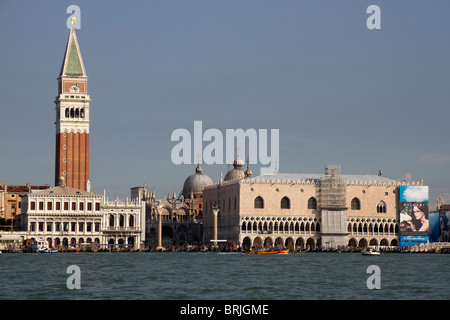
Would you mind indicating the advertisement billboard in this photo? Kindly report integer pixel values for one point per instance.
(413, 215)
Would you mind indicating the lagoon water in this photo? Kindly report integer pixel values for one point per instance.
(228, 276)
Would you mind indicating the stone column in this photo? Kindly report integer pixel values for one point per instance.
(159, 231)
(215, 211)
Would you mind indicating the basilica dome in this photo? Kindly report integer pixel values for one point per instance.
(237, 172)
(195, 183)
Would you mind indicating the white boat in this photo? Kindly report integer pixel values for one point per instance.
(371, 252)
(42, 247)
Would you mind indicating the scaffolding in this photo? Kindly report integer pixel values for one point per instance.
(333, 189)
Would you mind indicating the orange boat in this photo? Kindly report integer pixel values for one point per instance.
(266, 252)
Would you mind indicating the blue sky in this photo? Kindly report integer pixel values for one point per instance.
(338, 92)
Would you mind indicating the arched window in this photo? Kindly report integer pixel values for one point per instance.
(356, 204)
(111, 220)
(82, 113)
(312, 203)
(381, 207)
(121, 220)
(285, 203)
(67, 113)
(259, 203)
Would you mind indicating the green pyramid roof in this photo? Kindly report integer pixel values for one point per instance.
(74, 65)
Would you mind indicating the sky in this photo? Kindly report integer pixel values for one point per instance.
(338, 92)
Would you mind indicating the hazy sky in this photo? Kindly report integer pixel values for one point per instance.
(338, 92)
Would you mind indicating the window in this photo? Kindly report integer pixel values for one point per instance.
(259, 203)
(58, 205)
(111, 220)
(312, 203)
(285, 203)
(89, 206)
(41, 205)
(74, 206)
(49, 206)
(66, 205)
(356, 204)
(33, 205)
(81, 206)
(131, 221)
(97, 206)
(381, 207)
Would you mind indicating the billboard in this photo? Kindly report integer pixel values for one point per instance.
(413, 215)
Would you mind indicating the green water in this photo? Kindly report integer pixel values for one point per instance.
(232, 276)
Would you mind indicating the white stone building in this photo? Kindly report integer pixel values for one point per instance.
(63, 216)
(68, 217)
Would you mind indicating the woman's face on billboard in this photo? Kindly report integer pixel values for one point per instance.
(418, 214)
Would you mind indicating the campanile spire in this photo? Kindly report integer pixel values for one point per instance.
(72, 118)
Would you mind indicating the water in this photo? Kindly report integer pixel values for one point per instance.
(230, 276)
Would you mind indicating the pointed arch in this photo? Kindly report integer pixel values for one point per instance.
(312, 203)
(381, 207)
(355, 204)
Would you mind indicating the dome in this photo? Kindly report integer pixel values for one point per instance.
(236, 173)
(196, 182)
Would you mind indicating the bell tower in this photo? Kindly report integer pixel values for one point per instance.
(72, 119)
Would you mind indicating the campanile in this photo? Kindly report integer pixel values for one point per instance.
(72, 119)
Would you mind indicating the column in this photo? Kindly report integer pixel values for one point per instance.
(159, 231)
(215, 211)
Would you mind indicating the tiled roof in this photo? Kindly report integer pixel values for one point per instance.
(64, 191)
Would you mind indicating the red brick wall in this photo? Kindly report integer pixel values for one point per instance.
(76, 153)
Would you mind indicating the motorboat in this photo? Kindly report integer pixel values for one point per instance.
(370, 252)
(267, 252)
(42, 247)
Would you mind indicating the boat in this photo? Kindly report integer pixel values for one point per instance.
(42, 247)
(266, 252)
(370, 252)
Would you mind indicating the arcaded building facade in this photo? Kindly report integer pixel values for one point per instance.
(305, 211)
